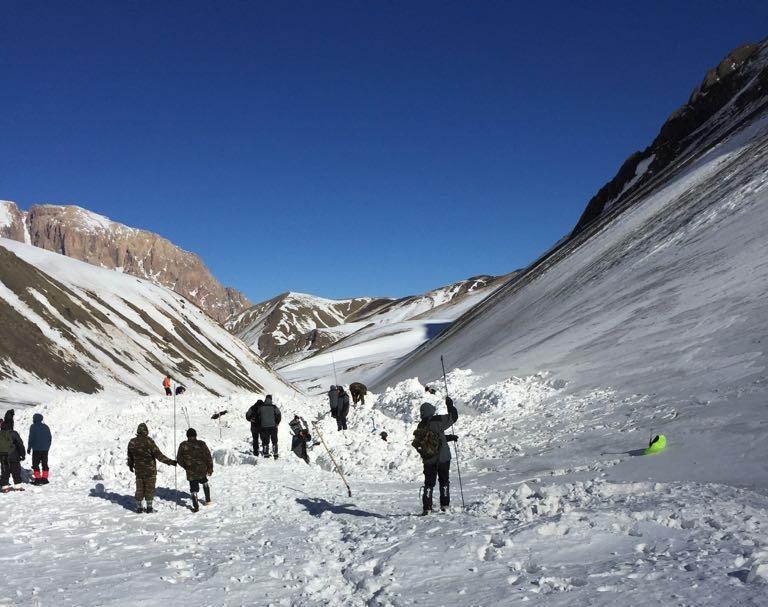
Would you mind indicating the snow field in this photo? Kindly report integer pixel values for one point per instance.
(559, 509)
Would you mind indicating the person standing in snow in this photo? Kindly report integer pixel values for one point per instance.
(11, 455)
(342, 410)
(301, 437)
(438, 466)
(39, 443)
(142, 456)
(195, 457)
(269, 420)
(167, 385)
(252, 415)
(358, 392)
(333, 400)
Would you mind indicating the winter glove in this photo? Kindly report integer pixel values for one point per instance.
(29, 450)
(449, 401)
(130, 467)
(174, 462)
(451, 438)
(210, 472)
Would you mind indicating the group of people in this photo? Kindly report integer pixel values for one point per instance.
(13, 452)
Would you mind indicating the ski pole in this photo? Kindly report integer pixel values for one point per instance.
(341, 474)
(456, 443)
(335, 377)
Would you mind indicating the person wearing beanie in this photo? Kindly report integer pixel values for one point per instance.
(11, 454)
(143, 454)
(38, 444)
(439, 465)
(195, 457)
(269, 420)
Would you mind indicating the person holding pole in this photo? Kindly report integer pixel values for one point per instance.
(142, 454)
(438, 467)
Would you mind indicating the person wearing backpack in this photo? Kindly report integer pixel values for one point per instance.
(12, 452)
(39, 443)
(253, 415)
(269, 420)
(333, 401)
(195, 457)
(431, 442)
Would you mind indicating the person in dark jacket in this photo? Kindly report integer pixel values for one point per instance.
(439, 466)
(39, 443)
(343, 409)
(10, 457)
(142, 456)
(269, 420)
(252, 415)
(8, 417)
(358, 392)
(333, 400)
(195, 457)
(301, 437)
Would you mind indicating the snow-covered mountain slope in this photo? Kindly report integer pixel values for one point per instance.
(87, 236)
(295, 326)
(70, 325)
(365, 349)
(666, 296)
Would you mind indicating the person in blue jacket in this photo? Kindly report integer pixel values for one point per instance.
(39, 444)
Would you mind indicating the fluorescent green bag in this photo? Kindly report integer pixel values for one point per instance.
(657, 445)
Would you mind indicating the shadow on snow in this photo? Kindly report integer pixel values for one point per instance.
(317, 506)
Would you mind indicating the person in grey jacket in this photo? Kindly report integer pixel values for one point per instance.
(269, 420)
(38, 444)
(333, 400)
(438, 467)
(343, 409)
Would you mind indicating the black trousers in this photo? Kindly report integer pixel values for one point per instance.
(168, 392)
(268, 434)
(255, 434)
(341, 422)
(40, 458)
(433, 472)
(194, 486)
(8, 470)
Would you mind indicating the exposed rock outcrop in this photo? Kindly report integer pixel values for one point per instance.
(83, 235)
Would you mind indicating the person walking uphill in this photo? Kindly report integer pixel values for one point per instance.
(39, 443)
(11, 455)
(142, 455)
(269, 420)
(195, 457)
(252, 415)
(431, 442)
(343, 409)
(167, 385)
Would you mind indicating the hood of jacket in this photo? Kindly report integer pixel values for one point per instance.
(37, 418)
(427, 410)
(142, 430)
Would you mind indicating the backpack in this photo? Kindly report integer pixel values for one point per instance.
(6, 442)
(425, 440)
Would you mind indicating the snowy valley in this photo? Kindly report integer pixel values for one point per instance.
(650, 319)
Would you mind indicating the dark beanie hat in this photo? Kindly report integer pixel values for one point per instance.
(191, 433)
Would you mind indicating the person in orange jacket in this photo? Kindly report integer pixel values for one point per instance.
(167, 385)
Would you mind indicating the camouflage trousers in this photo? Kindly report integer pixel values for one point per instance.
(145, 487)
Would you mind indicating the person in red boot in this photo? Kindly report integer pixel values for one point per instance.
(38, 444)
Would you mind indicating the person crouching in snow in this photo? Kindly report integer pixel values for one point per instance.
(301, 437)
(195, 457)
(11, 455)
(39, 443)
(142, 455)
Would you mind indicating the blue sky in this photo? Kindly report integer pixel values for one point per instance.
(345, 148)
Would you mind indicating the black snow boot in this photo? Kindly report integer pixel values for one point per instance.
(149, 509)
(445, 497)
(140, 509)
(274, 455)
(426, 500)
(195, 503)
(207, 491)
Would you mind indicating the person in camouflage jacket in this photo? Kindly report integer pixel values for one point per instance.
(142, 455)
(195, 457)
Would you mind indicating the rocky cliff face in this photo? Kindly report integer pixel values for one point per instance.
(730, 95)
(80, 234)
